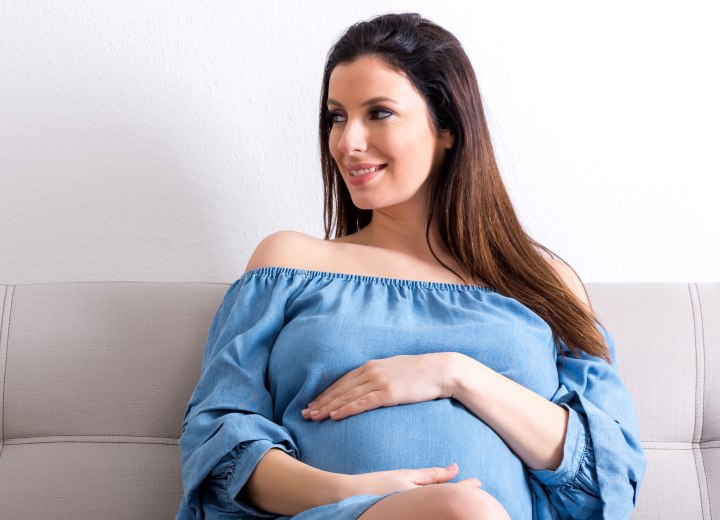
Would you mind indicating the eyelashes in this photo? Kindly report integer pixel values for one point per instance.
(332, 115)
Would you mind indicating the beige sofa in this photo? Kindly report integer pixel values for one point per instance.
(95, 377)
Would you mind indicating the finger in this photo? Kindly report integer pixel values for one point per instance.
(340, 400)
(436, 475)
(337, 404)
(355, 394)
(471, 482)
(364, 403)
(340, 386)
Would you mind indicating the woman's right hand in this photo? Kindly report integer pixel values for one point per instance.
(383, 482)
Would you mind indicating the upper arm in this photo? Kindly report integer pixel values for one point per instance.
(571, 279)
(279, 249)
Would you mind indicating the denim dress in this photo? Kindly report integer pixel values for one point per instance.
(281, 336)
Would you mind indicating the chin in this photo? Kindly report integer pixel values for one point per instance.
(370, 205)
(365, 206)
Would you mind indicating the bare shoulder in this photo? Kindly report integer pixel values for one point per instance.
(285, 249)
(571, 279)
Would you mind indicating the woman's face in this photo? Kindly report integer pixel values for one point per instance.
(395, 134)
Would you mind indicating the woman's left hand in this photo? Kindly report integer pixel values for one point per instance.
(385, 382)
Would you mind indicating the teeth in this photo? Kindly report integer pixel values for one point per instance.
(355, 173)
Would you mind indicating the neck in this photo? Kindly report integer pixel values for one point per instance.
(404, 235)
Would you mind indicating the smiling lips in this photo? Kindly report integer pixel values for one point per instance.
(361, 169)
(363, 173)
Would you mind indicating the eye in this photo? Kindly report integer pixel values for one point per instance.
(331, 116)
(381, 110)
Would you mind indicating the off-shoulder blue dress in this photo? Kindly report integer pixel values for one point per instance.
(282, 335)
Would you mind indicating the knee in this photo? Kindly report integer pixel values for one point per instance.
(468, 503)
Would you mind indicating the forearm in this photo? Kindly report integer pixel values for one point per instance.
(533, 427)
(283, 485)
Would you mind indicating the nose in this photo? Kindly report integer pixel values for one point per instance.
(353, 137)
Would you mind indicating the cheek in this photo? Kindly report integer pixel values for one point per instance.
(408, 151)
(396, 146)
(332, 144)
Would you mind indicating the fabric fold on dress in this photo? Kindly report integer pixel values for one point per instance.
(603, 460)
(229, 422)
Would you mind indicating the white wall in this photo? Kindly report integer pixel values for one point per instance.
(161, 140)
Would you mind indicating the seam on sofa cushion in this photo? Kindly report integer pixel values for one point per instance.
(680, 445)
(702, 482)
(91, 435)
(699, 450)
(98, 442)
(704, 371)
(2, 381)
(699, 363)
(139, 439)
(699, 398)
(4, 345)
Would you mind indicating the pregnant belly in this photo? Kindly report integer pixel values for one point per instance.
(412, 436)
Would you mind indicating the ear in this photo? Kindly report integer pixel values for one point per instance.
(447, 138)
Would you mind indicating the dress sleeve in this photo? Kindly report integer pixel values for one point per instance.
(603, 462)
(228, 424)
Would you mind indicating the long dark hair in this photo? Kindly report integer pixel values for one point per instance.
(467, 196)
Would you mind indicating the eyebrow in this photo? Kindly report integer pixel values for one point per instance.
(370, 101)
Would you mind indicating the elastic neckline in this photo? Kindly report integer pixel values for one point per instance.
(399, 282)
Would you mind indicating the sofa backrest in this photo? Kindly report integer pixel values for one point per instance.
(668, 341)
(95, 378)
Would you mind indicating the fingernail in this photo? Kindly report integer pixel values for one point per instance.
(306, 410)
(315, 412)
(452, 466)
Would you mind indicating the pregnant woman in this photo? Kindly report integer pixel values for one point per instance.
(429, 361)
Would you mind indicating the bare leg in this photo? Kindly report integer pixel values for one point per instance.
(447, 501)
